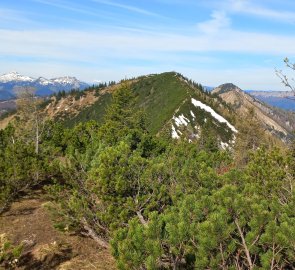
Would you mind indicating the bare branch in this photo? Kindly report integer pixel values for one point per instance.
(284, 79)
(246, 249)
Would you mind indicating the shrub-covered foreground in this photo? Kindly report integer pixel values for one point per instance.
(161, 204)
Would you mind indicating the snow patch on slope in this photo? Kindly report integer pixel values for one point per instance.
(217, 116)
(198, 130)
(44, 81)
(224, 145)
(174, 133)
(65, 80)
(181, 120)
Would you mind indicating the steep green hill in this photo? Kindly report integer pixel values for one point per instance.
(160, 96)
(167, 101)
(171, 103)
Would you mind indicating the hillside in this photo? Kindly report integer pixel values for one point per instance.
(169, 101)
(275, 121)
(78, 194)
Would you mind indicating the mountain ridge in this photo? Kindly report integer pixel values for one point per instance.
(180, 106)
(174, 105)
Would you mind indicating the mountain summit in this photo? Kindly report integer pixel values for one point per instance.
(43, 86)
(226, 87)
(273, 120)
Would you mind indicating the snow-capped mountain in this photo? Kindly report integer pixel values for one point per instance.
(44, 81)
(14, 76)
(10, 81)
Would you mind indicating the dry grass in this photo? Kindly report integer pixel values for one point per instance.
(4, 122)
(28, 222)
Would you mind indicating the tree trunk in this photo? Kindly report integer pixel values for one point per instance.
(37, 141)
(93, 235)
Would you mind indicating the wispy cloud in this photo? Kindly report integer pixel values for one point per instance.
(56, 52)
(134, 39)
(128, 7)
(219, 21)
(251, 8)
(130, 45)
(11, 15)
(68, 6)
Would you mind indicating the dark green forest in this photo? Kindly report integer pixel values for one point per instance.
(159, 203)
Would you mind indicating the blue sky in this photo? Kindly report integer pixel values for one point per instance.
(211, 42)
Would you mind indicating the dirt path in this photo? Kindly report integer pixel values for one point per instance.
(28, 222)
(4, 122)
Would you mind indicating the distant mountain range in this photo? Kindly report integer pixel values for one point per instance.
(11, 81)
(281, 99)
(281, 94)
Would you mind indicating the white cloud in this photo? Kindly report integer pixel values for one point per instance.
(91, 45)
(106, 54)
(218, 21)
